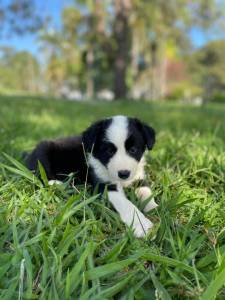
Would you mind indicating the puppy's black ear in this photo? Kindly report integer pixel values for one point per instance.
(91, 134)
(147, 132)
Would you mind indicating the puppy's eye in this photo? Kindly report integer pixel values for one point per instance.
(132, 150)
(110, 150)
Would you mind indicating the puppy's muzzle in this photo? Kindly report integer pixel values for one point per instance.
(124, 174)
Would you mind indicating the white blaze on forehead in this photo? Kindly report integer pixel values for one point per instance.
(117, 134)
(117, 131)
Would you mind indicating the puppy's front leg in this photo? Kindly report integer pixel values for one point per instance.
(143, 193)
(129, 213)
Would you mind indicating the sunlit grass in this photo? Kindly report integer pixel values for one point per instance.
(57, 242)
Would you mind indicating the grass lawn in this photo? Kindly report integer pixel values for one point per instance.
(57, 242)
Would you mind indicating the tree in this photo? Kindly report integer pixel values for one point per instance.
(207, 67)
(122, 40)
(63, 57)
(19, 17)
(19, 71)
(124, 44)
(94, 39)
(79, 44)
(155, 25)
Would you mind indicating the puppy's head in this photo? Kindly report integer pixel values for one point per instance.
(115, 147)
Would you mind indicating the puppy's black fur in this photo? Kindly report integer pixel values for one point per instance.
(69, 155)
(60, 158)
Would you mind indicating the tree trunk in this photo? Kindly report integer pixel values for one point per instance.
(154, 64)
(159, 63)
(100, 17)
(162, 78)
(122, 39)
(96, 24)
(90, 79)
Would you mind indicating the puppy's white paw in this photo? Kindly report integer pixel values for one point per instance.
(151, 205)
(52, 182)
(144, 193)
(142, 226)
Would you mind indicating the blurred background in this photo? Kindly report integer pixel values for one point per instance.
(111, 50)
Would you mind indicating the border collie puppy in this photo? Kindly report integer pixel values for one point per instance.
(108, 155)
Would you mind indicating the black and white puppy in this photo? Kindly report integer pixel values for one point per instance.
(109, 154)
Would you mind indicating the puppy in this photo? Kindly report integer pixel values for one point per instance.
(108, 155)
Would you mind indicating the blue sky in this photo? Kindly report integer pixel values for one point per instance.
(29, 42)
(53, 8)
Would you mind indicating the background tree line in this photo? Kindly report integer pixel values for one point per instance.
(136, 48)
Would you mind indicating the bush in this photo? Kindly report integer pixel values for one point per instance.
(218, 98)
(184, 91)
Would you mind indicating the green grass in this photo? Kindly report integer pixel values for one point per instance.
(57, 242)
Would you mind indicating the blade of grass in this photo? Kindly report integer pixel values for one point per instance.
(79, 265)
(214, 286)
(110, 268)
(115, 289)
(43, 173)
(162, 292)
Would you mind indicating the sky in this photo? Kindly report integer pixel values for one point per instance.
(29, 42)
(53, 8)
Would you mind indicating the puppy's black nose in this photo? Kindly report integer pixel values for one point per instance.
(124, 174)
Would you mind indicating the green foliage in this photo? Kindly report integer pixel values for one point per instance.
(184, 90)
(19, 17)
(19, 71)
(57, 242)
(218, 97)
(79, 39)
(207, 66)
(122, 45)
